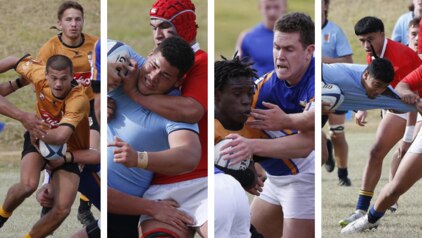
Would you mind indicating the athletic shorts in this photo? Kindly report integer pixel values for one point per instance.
(294, 193)
(401, 115)
(119, 226)
(28, 147)
(232, 214)
(93, 123)
(191, 195)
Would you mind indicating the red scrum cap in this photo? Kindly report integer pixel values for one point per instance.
(180, 13)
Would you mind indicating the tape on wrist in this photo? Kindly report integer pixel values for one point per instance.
(408, 134)
(142, 160)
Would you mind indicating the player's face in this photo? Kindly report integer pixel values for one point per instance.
(373, 87)
(271, 10)
(162, 30)
(324, 8)
(413, 36)
(233, 102)
(291, 59)
(157, 76)
(59, 81)
(72, 23)
(418, 6)
(374, 38)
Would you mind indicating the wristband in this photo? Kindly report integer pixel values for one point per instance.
(18, 82)
(68, 158)
(142, 160)
(408, 134)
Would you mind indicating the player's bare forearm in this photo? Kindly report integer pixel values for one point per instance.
(182, 157)
(175, 108)
(88, 156)
(59, 135)
(8, 63)
(288, 147)
(343, 59)
(125, 204)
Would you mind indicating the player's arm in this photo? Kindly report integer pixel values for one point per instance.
(164, 211)
(274, 118)
(29, 120)
(288, 147)
(8, 63)
(182, 157)
(175, 108)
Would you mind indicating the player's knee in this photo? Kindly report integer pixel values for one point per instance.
(376, 155)
(160, 233)
(29, 188)
(337, 131)
(395, 192)
(60, 212)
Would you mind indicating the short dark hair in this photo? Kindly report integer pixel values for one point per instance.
(66, 5)
(381, 69)
(59, 62)
(327, 3)
(297, 22)
(368, 25)
(414, 22)
(226, 69)
(178, 53)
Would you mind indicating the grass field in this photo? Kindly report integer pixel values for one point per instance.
(339, 202)
(25, 28)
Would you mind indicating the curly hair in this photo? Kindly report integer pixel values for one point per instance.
(225, 69)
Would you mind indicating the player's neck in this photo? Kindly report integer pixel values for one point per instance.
(72, 42)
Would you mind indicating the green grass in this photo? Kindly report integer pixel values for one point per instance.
(234, 16)
(25, 28)
(128, 21)
(339, 202)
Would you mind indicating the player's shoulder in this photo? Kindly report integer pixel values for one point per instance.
(90, 39)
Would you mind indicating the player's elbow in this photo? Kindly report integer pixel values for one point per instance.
(191, 114)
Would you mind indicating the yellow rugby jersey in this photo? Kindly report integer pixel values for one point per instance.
(220, 132)
(81, 57)
(71, 111)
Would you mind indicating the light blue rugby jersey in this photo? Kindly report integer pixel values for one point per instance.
(334, 42)
(144, 131)
(291, 99)
(348, 78)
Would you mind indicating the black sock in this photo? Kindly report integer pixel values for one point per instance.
(84, 205)
(342, 173)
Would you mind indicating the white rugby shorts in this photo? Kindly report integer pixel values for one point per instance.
(191, 195)
(232, 213)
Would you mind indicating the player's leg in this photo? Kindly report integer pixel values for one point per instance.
(92, 230)
(341, 148)
(299, 228)
(65, 182)
(232, 213)
(30, 167)
(85, 216)
(267, 218)
(89, 184)
(203, 230)
(389, 132)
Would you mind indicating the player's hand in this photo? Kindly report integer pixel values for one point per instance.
(123, 153)
(34, 125)
(360, 117)
(130, 80)
(111, 108)
(410, 97)
(45, 196)
(268, 119)
(237, 150)
(166, 211)
(403, 148)
(114, 78)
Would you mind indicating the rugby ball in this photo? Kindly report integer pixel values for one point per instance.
(52, 152)
(219, 160)
(333, 95)
(117, 52)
